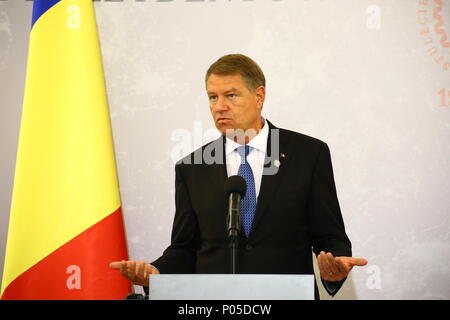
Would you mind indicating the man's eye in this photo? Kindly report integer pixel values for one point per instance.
(213, 98)
(232, 95)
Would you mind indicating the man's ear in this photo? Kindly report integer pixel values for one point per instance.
(260, 95)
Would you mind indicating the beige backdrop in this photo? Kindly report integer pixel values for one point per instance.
(370, 78)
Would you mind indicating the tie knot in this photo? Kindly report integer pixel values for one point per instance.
(243, 152)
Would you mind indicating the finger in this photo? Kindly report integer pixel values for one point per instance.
(337, 272)
(140, 271)
(343, 268)
(151, 269)
(131, 270)
(320, 260)
(148, 271)
(115, 265)
(332, 265)
(123, 268)
(323, 265)
(360, 262)
(321, 256)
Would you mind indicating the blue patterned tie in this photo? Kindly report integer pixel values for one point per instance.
(248, 203)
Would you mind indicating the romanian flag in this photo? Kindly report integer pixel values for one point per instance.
(66, 222)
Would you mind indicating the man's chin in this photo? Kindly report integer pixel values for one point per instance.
(225, 129)
(237, 135)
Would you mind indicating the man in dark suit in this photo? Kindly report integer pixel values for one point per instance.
(290, 208)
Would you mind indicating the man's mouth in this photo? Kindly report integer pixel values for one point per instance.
(223, 119)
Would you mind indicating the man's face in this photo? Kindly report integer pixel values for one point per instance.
(233, 106)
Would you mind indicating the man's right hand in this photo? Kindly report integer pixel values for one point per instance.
(135, 271)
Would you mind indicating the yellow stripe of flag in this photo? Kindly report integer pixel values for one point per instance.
(65, 171)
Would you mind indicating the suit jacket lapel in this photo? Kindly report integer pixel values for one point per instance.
(274, 168)
(217, 170)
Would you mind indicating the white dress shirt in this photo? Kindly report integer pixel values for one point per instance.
(255, 158)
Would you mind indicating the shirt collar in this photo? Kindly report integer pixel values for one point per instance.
(259, 142)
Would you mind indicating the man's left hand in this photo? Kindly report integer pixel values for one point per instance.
(337, 268)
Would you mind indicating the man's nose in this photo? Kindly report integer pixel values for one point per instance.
(221, 105)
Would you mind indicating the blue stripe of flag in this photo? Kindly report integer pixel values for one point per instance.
(40, 7)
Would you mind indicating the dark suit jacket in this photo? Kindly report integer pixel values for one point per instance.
(297, 211)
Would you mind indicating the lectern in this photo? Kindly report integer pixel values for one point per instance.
(231, 287)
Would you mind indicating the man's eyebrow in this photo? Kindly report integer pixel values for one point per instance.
(228, 91)
(232, 90)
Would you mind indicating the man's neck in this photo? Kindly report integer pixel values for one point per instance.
(242, 136)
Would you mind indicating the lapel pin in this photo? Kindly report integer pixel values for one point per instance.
(277, 163)
(282, 155)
